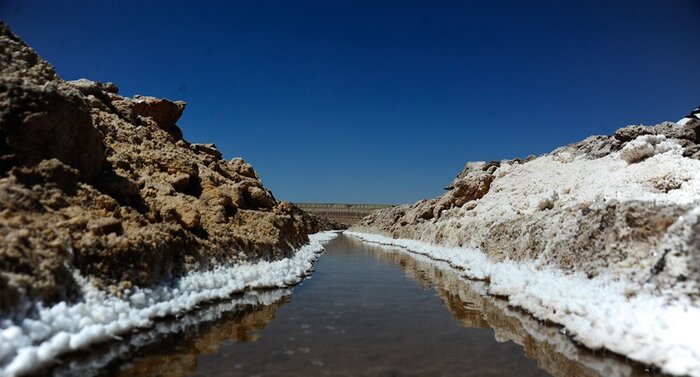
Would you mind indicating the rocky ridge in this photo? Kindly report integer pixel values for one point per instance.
(105, 186)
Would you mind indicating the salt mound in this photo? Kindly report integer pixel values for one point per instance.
(598, 236)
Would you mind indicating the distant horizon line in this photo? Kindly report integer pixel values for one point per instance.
(385, 205)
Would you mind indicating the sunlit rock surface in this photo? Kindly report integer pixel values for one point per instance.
(105, 186)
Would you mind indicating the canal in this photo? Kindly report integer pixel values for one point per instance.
(366, 311)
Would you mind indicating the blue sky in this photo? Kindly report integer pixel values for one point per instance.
(381, 101)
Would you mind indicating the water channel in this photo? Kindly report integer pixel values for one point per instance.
(366, 311)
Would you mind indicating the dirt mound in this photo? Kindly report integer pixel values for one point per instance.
(94, 182)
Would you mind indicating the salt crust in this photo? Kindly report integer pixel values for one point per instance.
(596, 312)
(563, 182)
(32, 343)
(521, 188)
(646, 146)
(94, 366)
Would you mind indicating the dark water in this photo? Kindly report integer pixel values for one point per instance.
(366, 311)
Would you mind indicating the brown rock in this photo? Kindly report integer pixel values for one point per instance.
(47, 121)
(103, 184)
(668, 129)
(258, 198)
(180, 181)
(48, 172)
(105, 225)
(164, 112)
(243, 168)
(16, 57)
(209, 149)
(188, 216)
(94, 88)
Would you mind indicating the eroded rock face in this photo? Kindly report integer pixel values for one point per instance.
(104, 185)
(626, 205)
(42, 117)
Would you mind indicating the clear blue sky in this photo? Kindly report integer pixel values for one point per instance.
(381, 101)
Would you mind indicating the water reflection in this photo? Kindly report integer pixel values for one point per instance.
(472, 307)
(172, 346)
(368, 310)
(240, 326)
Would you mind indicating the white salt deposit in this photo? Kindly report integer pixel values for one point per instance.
(94, 365)
(562, 182)
(695, 115)
(646, 146)
(32, 343)
(596, 312)
(584, 180)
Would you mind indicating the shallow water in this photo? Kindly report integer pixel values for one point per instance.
(367, 310)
